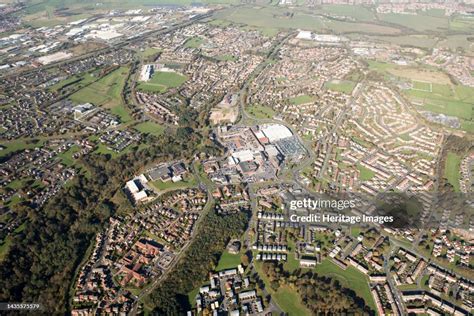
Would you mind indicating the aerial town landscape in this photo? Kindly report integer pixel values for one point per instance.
(235, 157)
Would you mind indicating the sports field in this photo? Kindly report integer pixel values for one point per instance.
(161, 81)
(227, 261)
(302, 99)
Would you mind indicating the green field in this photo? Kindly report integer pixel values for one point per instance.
(421, 85)
(451, 170)
(289, 300)
(302, 99)
(350, 278)
(356, 12)
(121, 111)
(148, 52)
(417, 22)
(150, 128)
(344, 86)
(285, 297)
(19, 144)
(261, 112)
(421, 41)
(270, 17)
(194, 42)
(365, 174)
(228, 261)
(226, 58)
(66, 156)
(291, 264)
(77, 80)
(161, 81)
(105, 92)
(170, 185)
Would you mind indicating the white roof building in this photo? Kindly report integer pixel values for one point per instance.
(276, 132)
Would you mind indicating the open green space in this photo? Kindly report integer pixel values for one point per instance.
(19, 144)
(421, 85)
(344, 86)
(350, 278)
(291, 263)
(289, 300)
(270, 17)
(76, 80)
(170, 185)
(149, 51)
(104, 92)
(451, 170)
(66, 156)
(420, 41)
(418, 22)
(285, 297)
(302, 99)
(194, 42)
(161, 81)
(462, 23)
(121, 111)
(228, 261)
(357, 12)
(150, 128)
(226, 58)
(261, 112)
(365, 174)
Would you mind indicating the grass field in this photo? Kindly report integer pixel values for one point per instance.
(150, 51)
(121, 111)
(302, 99)
(344, 86)
(434, 90)
(66, 156)
(419, 22)
(356, 12)
(422, 85)
(360, 27)
(150, 128)
(170, 185)
(227, 261)
(270, 17)
(291, 264)
(105, 92)
(350, 278)
(161, 81)
(19, 144)
(365, 174)
(77, 80)
(261, 112)
(194, 42)
(421, 41)
(289, 300)
(285, 297)
(451, 170)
